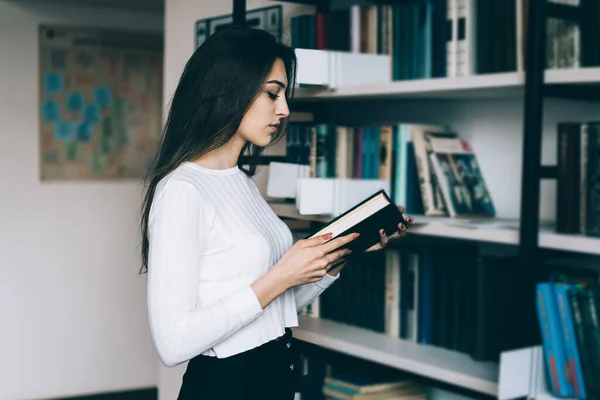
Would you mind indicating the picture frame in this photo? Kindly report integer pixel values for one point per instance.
(266, 18)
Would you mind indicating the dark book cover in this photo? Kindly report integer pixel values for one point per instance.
(425, 315)
(592, 212)
(386, 218)
(585, 357)
(339, 30)
(592, 337)
(438, 42)
(567, 198)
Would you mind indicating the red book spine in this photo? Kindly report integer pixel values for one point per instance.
(321, 31)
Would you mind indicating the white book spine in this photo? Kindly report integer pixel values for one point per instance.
(462, 44)
(583, 179)
(355, 29)
(392, 293)
(413, 314)
(451, 41)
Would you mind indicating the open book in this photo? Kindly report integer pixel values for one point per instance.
(367, 218)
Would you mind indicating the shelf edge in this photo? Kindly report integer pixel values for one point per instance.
(412, 366)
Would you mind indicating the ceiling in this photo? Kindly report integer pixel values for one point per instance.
(150, 6)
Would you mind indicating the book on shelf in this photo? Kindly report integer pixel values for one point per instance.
(568, 309)
(352, 387)
(401, 154)
(365, 384)
(578, 178)
(431, 193)
(460, 179)
(445, 296)
(366, 218)
(451, 38)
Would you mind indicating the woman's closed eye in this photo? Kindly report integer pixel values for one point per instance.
(273, 96)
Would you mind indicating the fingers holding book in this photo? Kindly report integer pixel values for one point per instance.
(384, 238)
(309, 260)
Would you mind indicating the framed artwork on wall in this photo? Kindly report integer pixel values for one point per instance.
(100, 107)
(267, 18)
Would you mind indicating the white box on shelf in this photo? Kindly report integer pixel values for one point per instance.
(348, 69)
(517, 372)
(333, 196)
(332, 69)
(314, 67)
(283, 177)
(315, 196)
(523, 374)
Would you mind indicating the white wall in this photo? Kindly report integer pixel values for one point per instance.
(72, 308)
(180, 19)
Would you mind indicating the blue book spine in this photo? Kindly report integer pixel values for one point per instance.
(375, 143)
(321, 146)
(554, 348)
(366, 170)
(568, 329)
(404, 132)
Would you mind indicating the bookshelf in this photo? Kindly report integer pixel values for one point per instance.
(527, 232)
(465, 87)
(428, 361)
(495, 231)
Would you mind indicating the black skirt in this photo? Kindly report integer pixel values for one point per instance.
(268, 372)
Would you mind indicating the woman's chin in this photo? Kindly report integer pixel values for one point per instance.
(261, 141)
(264, 142)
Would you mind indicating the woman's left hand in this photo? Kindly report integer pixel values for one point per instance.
(384, 239)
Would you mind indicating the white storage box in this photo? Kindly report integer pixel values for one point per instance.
(350, 69)
(314, 67)
(283, 178)
(331, 69)
(334, 196)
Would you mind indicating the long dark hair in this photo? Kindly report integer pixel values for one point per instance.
(219, 83)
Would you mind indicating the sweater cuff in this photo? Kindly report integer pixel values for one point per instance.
(327, 280)
(246, 305)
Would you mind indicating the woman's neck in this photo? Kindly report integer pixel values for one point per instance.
(224, 157)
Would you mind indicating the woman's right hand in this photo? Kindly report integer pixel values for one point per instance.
(309, 259)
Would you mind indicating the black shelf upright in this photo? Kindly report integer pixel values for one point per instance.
(239, 12)
(536, 90)
(535, 66)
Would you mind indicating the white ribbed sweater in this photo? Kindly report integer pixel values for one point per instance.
(211, 236)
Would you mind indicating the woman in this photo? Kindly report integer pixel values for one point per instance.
(225, 283)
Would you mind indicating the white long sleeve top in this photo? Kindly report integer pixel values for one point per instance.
(211, 236)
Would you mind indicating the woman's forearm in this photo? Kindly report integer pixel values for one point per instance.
(268, 287)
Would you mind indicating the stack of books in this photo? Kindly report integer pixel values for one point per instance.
(361, 387)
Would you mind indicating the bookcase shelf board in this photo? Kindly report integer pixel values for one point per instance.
(324, 5)
(577, 76)
(286, 210)
(428, 361)
(464, 87)
(316, 3)
(498, 231)
(485, 86)
(504, 235)
(444, 227)
(574, 243)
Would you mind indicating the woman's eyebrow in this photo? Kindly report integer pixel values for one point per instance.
(279, 83)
